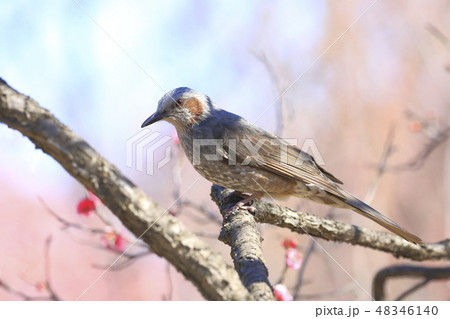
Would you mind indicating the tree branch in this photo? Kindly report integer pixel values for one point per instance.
(166, 235)
(426, 273)
(303, 223)
(240, 233)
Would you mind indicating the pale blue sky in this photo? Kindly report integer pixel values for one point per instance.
(54, 52)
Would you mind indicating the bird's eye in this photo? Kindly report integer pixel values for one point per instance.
(180, 102)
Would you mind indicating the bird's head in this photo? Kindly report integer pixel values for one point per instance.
(182, 107)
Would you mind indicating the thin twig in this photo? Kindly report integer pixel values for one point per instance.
(21, 294)
(435, 134)
(274, 78)
(439, 35)
(48, 285)
(301, 273)
(169, 295)
(68, 224)
(129, 259)
(388, 150)
(413, 289)
(209, 214)
(47, 281)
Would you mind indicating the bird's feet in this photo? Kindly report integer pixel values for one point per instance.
(237, 194)
(240, 204)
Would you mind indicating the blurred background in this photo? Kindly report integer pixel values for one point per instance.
(101, 67)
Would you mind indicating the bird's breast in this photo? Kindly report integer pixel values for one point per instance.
(209, 160)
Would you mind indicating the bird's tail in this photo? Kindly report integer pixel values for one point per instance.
(367, 211)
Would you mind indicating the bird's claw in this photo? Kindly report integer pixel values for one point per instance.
(239, 205)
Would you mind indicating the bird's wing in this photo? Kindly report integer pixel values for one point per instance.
(275, 155)
(258, 148)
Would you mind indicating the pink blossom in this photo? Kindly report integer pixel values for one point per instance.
(40, 286)
(85, 207)
(281, 293)
(289, 243)
(120, 243)
(293, 258)
(415, 126)
(114, 241)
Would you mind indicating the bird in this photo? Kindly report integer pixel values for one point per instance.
(232, 152)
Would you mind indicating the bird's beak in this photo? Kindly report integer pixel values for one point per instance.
(155, 117)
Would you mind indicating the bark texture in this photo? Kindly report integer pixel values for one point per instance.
(240, 233)
(328, 229)
(165, 235)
